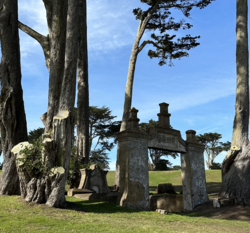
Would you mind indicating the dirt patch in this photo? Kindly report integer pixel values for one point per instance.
(232, 212)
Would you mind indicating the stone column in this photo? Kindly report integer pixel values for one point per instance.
(193, 173)
(163, 116)
(133, 159)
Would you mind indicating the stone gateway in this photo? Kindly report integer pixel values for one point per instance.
(132, 157)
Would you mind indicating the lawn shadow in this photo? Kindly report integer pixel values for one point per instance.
(97, 207)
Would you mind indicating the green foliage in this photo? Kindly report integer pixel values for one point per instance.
(35, 135)
(176, 167)
(100, 158)
(158, 18)
(215, 166)
(163, 165)
(32, 158)
(213, 146)
(103, 127)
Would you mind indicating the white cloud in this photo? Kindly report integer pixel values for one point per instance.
(109, 24)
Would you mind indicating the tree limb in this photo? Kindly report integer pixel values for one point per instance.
(41, 39)
(145, 42)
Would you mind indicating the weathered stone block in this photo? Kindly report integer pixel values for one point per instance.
(170, 203)
(193, 173)
(94, 179)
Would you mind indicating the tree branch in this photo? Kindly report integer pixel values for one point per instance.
(145, 42)
(41, 39)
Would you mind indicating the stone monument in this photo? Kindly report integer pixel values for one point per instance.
(193, 173)
(94, 179)
(133, 154)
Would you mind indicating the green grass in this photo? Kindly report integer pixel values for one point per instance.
(213, 179)
(83, 216)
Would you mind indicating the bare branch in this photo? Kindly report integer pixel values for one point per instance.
(41, 39)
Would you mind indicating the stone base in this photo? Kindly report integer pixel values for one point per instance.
(72, 192)
(109, 197)
(170, 203)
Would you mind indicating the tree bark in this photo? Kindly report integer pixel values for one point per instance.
(236, 165)
(82, 142)
(12, 114)
(136, 49)
(49, 187)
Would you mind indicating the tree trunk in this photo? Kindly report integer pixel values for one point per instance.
(130, 80)
(236, 165)
(12, 114)
(49, 187)
(83, 87)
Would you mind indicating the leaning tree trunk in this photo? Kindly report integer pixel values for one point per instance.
(82, 141)
(49, 187)
(12, 114)
(236, 165)
(129, 87)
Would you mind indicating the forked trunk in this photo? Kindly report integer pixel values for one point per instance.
(82, 141)
(236, 165)
(49, 187)
(12, 114)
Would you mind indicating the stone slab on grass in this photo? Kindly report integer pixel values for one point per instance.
(170, 203)
(72, 192)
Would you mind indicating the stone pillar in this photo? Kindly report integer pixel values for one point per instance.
(164, 116)
(133, 159)
(193, 173)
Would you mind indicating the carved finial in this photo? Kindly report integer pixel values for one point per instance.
(163, 116)
(190, 135)
(133, 120)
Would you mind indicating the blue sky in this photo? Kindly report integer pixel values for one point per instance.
(199, 89)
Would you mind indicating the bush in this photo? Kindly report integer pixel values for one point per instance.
(176, 167)
(163, 165)
(32, 158)
(215, 166)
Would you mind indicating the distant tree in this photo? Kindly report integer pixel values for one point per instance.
(215, 166)
(35, 134)
(154, 154)
(158, 18)
(213, 146)
(176, 167)
(163, 165)
(103, 128)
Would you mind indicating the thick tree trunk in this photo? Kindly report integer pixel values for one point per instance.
(12, 114)
(82, 141)
(236, 165)
(49, 187)
(57, 56)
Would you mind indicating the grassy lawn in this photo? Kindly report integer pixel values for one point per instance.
(81, 216)
(213, 178)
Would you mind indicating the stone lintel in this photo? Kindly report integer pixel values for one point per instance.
(126, 134)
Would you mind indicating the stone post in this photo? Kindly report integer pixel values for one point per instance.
(164, 116)
(193, 173)
(133, 159)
